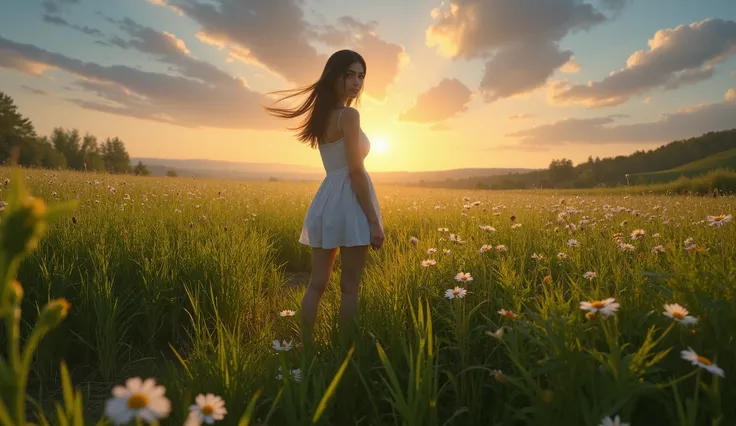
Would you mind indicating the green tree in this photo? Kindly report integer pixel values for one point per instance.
(91, 154)
(171, 173)
(141, 169)
(15, 130)
(115, 156)
(561, 171)
(69, 144)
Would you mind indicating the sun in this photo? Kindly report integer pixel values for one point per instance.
(379, 145)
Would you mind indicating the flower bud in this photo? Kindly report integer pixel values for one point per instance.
(54, 312)
(23, 227)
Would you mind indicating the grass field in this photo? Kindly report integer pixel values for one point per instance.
(184, 280)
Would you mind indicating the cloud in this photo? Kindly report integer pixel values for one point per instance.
(383, 59)
(122, 90)
(57, 20)
(34, 90)
(684, 123)
(571, 67)
(277, 36)
(56, 6)
(676, 56)
(521, 116)
(166, 47)
(439, 103)
(511, 35)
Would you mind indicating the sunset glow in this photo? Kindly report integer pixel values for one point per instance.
(449, 84)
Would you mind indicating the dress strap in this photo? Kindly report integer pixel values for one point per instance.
(338, 120)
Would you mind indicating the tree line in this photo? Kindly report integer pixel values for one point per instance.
(606, 172)
(62, 149)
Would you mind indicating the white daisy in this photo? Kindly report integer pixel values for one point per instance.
(616, 421)
(606, 307)
(429, 262)
(572, 243)
(718, 221)
(282, 346)
(457, 292)
(637, 233)
(431, 250)
(295, 374)
(589, 275)
(658, 249)
(700, 361)
(561, 256)
(207, 409)
(463, 277)
(137, 399)
(287, 313)
(679, 314)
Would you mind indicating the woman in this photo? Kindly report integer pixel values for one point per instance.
(344, 213)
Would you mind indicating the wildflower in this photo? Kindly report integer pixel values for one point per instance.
(537, 257)
(658, 249)
(501, 248)
(498, 376)
(443, 229)
(589, 275)
(498, 334)
(561, 256)
(484, 248)
(572, 243)
(656, 235)
(431, 250)
(637, 234)
(207, 409)
(689, 242)
(516, 226)
(137, 399)
(429, 262)
(616, 421)
(700, 361)
(295, 374)
(463, 276)
(446, 251)
(287, 313)
(627, 247)
(487, 228)
(590, 316)
(606, 307)
(282, 346)
(679, 314)
(413, 240)
(508, 314)
(457, 292)
(718, 221)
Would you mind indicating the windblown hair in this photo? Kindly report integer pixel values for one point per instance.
(321, 98)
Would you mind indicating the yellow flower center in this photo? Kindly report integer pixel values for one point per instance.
(598, 304)
(456, 292)
(509, 315)
(719, 218)
(207, 410)
(137, 401)
(679, 315)
(704, 360)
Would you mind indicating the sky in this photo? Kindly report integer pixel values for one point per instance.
(449, 83)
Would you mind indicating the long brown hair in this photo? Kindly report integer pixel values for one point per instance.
(321, 98)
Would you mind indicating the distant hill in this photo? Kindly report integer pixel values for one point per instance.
(722, 160)
(292, 172)
(691, 157)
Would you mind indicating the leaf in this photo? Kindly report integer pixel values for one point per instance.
(333, 386)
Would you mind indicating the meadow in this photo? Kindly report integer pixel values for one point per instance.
(482, 307)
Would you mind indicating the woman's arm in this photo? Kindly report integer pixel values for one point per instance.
(358, 178)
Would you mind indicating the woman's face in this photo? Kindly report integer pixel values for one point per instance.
(350, 85)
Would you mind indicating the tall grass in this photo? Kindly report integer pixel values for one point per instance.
(184, 280)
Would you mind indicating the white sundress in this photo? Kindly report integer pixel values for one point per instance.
(335, 217)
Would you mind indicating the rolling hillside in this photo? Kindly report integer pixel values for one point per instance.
(721, 160)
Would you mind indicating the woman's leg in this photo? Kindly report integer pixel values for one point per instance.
(322, 262)
(352, 260)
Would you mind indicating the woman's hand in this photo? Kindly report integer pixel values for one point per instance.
(377, 236)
